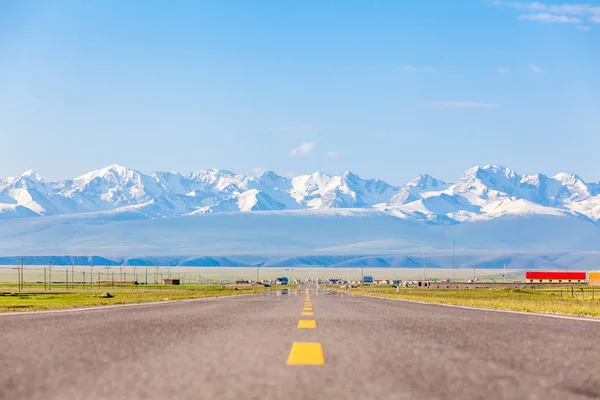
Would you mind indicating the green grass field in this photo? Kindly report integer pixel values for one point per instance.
(36, 298)
(551, 300)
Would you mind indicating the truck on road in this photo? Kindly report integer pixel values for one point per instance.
(282, 281)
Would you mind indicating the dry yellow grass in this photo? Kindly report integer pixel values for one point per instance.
(508, 299)
(38, 299)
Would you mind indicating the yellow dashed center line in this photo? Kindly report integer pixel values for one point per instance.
(307, 323)
(306, 353)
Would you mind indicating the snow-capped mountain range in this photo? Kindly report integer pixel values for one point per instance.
(481, 193)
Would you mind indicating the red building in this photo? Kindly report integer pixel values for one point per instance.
(554, 277)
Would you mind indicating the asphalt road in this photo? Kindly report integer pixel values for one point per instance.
(239, 348)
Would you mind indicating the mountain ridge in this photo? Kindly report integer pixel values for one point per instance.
(482, 192)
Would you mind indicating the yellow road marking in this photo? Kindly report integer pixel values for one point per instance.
(306, 353)
(307, 309)
(307, 323)
(307, 313)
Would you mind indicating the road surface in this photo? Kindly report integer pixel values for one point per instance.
(241, 348)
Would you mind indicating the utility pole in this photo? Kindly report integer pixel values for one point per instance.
(257, 272)
(21, 272)
(453, 258)
(73, 273)
(50, 275)
(504, 274)
(19, 276)
(146, 276)
(424, 266)
(362, 274)
(91, 276)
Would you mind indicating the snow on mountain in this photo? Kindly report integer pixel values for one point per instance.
(15, 211)
(485, 192)
(345, 191)
(493, 191)
(29, 191)
(416, 189)
(110, 188)
(249, 200)
(276, 187)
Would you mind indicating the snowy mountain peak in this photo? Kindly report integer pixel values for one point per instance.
(416, 188)
(270, 175)
(32, 176)
(568, 179)
(427, 182)
(482, 192)
(115, 171)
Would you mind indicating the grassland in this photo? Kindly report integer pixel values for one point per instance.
(36, 298)
(555, 300)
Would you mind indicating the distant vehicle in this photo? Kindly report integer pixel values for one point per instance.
(397, 282)
(368, 280)
(282, 281)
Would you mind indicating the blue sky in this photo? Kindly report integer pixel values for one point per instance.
(385, 89)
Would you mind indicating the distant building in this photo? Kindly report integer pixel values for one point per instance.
(594, 278)
(171, 281)
(554, 277)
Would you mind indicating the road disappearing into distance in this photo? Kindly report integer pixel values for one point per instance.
(306, 344)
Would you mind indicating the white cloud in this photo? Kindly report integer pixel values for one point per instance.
(573, 9)
(302, 150)
(295, 128)
(554, 13)
(535, 68)
(583, 28)
(463, 104)
(333, 154)
(412, 68)
(550, 18)
(503, 70)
